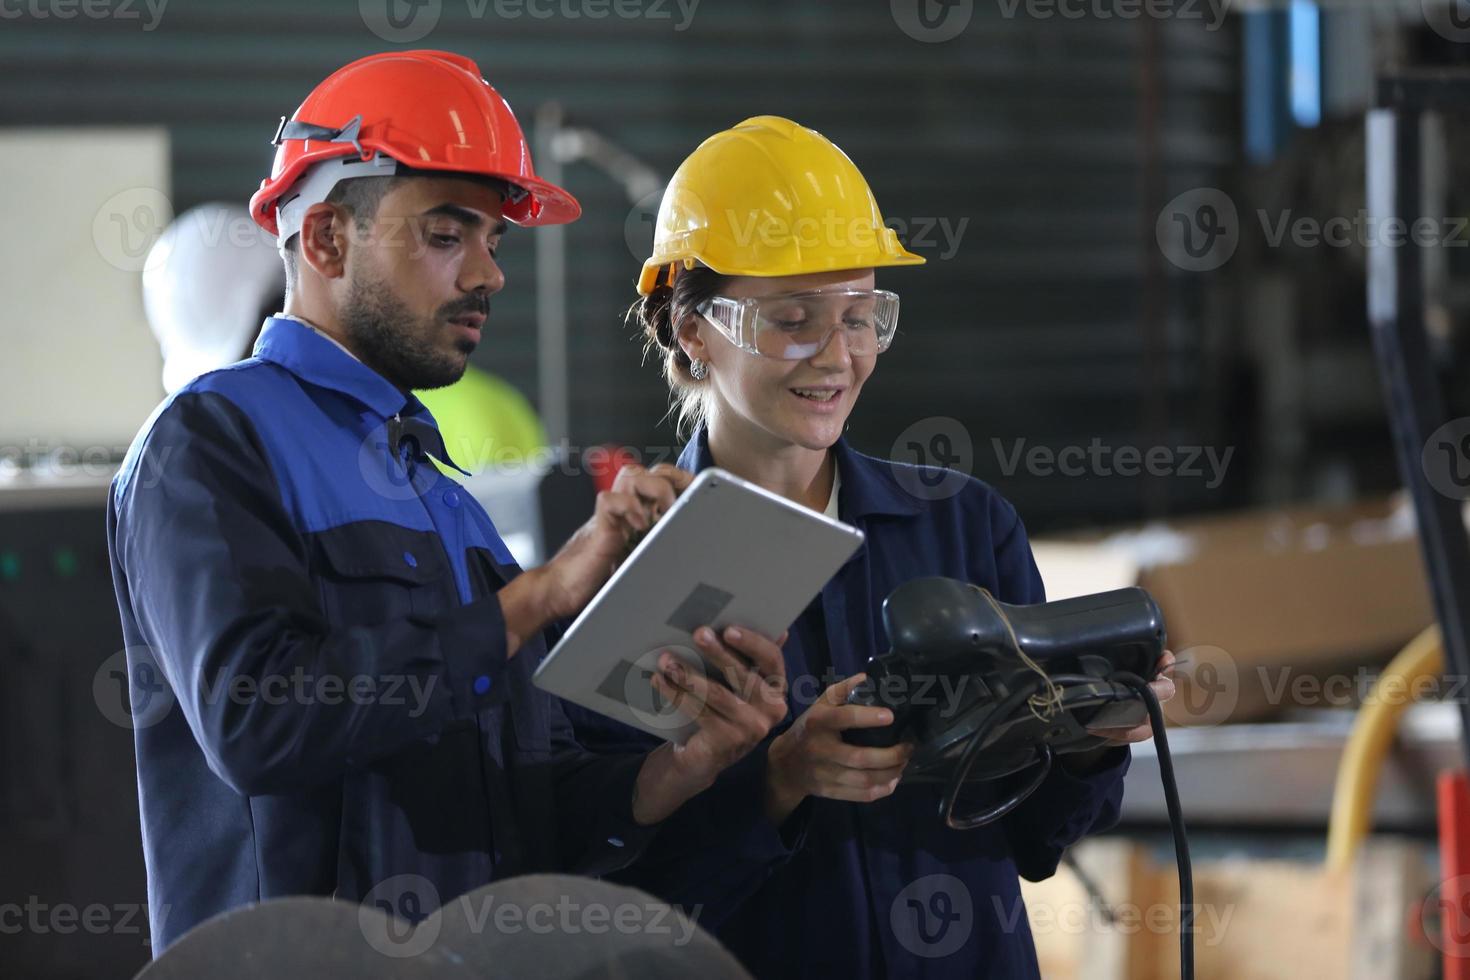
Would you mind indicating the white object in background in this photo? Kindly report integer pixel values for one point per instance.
(511, 496)
(1071, 570)
(208, 284)
(83, 207)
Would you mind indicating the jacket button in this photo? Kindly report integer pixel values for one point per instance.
(482, 684)
(410, 560)
(451, 498)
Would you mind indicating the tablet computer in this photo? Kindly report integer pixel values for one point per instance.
(728, 553)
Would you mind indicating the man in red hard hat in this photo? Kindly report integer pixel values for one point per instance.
(330, 648)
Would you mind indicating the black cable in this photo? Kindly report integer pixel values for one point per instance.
(1176, 821)
(977, 739)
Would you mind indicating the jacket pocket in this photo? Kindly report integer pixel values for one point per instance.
(373, 572)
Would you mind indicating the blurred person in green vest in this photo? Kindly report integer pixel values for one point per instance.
(486, 423)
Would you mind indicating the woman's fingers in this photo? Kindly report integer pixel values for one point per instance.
(875, 759)
(834, 775)
(838, 693)
(856, 786)
(843, 717)
(700, 696)
(752, 666)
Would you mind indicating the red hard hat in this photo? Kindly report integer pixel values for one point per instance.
(429, 110)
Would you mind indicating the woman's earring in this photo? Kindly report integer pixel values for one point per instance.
(698, 371)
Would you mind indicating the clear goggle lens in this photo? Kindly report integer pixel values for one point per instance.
(795, 326)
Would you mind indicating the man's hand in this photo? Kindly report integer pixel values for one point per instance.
(811, 759)
(638, 498)
(735, 707)
(563, 586)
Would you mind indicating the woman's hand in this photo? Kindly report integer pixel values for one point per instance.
(811, 759)
(734, 707)
(1163, 688)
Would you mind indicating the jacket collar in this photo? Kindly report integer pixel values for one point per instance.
(868, 485)
(314, 358)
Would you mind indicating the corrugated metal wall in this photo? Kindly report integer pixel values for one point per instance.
(1021, 132)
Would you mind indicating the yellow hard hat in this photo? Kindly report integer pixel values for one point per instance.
(770, 198)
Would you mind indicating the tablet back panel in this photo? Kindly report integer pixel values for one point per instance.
(728, 553)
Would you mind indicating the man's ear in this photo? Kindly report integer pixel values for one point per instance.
(324, 240)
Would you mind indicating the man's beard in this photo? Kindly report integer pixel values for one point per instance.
(392, 341)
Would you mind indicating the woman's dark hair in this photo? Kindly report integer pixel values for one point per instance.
(658, 316)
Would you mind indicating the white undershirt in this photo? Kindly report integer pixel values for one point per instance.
(832, 500)
(321, 333)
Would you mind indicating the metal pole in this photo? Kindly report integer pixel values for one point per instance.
(553, 368)
(1396, 304)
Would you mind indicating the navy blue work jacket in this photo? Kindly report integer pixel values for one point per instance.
(321, 698)
(882, 889)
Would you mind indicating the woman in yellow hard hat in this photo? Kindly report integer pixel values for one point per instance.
(809, 858)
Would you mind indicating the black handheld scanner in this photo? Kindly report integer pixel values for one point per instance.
(962, 663)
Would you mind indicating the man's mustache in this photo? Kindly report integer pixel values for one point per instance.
(477, 303)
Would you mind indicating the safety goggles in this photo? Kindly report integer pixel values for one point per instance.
(795, 326)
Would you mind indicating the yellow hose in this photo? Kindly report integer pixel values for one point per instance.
(1372, 735)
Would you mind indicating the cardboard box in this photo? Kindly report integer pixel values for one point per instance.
(1267, 610)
